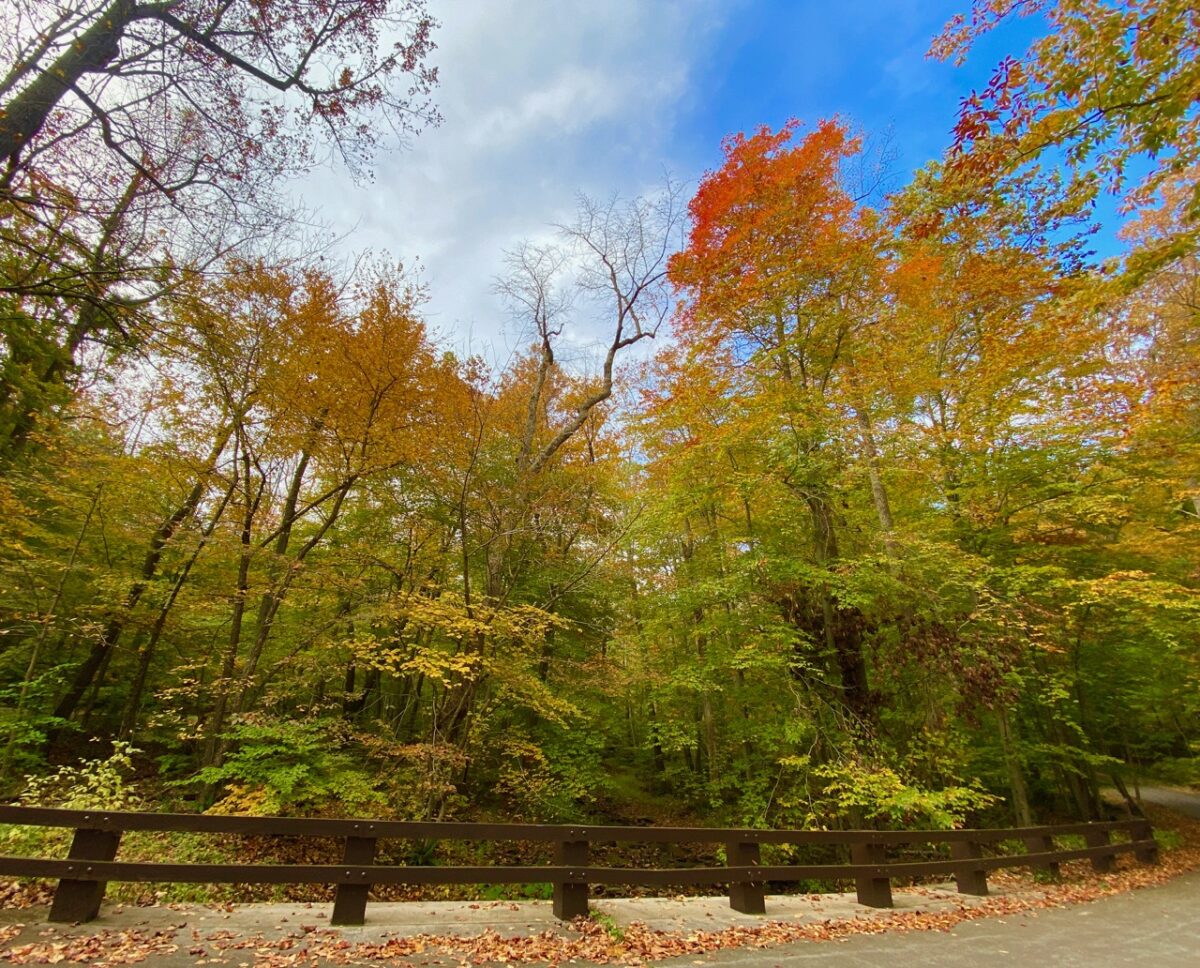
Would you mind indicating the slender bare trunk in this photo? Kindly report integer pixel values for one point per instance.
(274, 597)
(40, 641)
(146, 654)
(843, 636)
(879, 495)
(1016, 776)
(100, 650)
(216, 723)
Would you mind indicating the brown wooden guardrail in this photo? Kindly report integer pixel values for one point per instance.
(91, 864)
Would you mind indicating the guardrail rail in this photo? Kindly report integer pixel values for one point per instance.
(91, 862)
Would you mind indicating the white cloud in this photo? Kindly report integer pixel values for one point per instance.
(572, 102)
(542, 99)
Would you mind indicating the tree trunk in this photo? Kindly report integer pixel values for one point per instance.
(1016, 777)
(86, 674)
(25, 114)
(146, 655)
(842, 629)
(274, 596)
(879, 496)
(213, 745)
(35, 654)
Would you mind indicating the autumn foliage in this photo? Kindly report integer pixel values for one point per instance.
(868, 509)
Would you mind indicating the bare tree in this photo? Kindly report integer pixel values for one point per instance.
(117, 77)
(536, 295)
(142, 139)
(619, 250)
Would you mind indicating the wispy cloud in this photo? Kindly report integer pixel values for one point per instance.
(542, 99)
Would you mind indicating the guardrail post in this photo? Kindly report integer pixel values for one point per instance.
(872, 891)
(1101, 863)
(79, 901)
(350, 900)
(744, 896)
(1043, 844)
(571, 897)
(1147, 849)
(973, 880)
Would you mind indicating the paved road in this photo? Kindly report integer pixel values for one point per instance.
(1157, 926)
(1180, 800)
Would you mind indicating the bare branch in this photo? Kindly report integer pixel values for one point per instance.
(624, 248)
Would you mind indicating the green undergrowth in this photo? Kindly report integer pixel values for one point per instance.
(516, 892)
(106, 784)
(1181, 771)
(1168, 839)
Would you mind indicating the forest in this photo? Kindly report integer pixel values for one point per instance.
(877, 505)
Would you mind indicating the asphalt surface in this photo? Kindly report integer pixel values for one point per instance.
(1180, 800)
(187, 926)
(1157, 926)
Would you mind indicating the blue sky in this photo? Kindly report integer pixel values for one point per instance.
(859, 59)
(547, 98)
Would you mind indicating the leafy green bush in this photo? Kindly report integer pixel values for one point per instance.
(611, 928)
(290, 767)
(854, 793)
(25, 733)
(551, 781)
(100, 784)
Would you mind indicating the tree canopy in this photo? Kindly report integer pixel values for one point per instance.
(866, 509)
